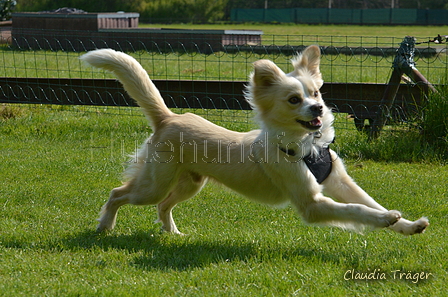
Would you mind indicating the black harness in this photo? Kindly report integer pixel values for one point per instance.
(319, 164)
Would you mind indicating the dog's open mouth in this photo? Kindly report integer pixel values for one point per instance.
(314, 124)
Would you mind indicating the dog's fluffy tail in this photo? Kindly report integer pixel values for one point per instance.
(134, 79)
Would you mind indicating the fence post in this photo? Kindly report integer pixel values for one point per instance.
(403, 63)
(388, 99)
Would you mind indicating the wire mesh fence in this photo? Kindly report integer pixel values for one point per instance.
(201, 71)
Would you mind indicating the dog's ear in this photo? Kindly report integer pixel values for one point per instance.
(309, 60)
(266, 73)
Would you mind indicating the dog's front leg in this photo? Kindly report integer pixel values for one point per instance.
(324, 210)
(340, 186)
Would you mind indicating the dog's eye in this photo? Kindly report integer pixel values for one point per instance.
(316, 93)
(294, 100)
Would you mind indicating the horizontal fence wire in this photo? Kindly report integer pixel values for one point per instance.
(205, 71)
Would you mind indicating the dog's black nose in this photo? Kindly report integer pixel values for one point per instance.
(316, 109)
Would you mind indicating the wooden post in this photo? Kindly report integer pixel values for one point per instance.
(403, 63)
(384, 110)
(421, 81)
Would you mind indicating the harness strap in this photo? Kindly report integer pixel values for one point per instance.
(319, 164)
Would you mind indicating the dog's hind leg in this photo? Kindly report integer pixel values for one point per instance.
(118, 197)
(189, 185)
(143, 189)
(341, 187)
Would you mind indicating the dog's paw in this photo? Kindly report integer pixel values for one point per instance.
(391, 217)
(102, 227)
(419, 226)
(171, 230)
(406, 227)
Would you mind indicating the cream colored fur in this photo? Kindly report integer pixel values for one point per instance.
(186, 150)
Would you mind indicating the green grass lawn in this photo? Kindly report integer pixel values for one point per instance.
(222, 66)
(317, 30)
(237, 66)
(58, 165)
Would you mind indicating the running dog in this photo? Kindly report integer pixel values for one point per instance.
(287, 161)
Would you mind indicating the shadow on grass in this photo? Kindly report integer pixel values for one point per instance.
(164, 252)
(171, 252)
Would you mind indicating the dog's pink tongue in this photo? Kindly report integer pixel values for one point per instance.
(316, 122)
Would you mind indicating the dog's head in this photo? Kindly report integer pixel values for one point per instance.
(289, 101)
